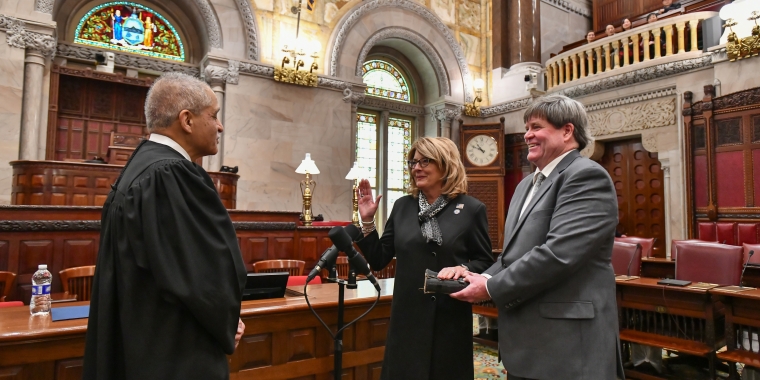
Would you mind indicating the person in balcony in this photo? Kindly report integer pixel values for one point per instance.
(669, 5)
(590, 61)
(609, 30)
(626, 26)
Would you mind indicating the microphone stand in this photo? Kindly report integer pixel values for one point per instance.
(350, 283)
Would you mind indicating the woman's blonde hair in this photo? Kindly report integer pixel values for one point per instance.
(445, 154)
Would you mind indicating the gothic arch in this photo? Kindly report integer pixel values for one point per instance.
(344, 46)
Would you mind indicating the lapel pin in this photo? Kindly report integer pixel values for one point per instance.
(460, 206)
(456, 211)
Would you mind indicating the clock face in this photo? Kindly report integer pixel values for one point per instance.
(482, 150)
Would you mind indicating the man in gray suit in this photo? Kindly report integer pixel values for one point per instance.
(553, 283)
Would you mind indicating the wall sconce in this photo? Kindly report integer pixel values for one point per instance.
(308, 185)
(739, 48)
(355, 174)
(473, 109)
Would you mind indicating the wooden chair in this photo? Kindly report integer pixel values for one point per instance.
(6, 284)
(294, 267)
(388, 272)
(342, 267)
(78, 280)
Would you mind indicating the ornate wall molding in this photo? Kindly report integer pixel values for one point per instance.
(217, 75)
(507, 107)
(126, 60)
(252, 51)
(649, 142)
(633, 117)
(415, 39)
(745, 98)
(640, 75)
(49, 225)
(349, 20)
(655, 94)
(18, 37)
(44, 6)
(570, 7)
(265, 226)
(213, 28)
(371, 101)
(256, 69)
(447, 114)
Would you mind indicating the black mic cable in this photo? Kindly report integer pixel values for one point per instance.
(343, 241)
(638, 249)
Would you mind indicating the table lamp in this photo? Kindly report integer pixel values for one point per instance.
(308, 185)
(355, 174)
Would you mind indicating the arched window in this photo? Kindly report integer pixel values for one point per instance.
(384, 138)
(384, 80)
(130, 27)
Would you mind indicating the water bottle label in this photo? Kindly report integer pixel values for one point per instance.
(38, 290)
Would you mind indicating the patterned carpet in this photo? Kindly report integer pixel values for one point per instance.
(486, 365)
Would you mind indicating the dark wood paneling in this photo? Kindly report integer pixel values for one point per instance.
(639, 185)
(490, 191)
(70, 369)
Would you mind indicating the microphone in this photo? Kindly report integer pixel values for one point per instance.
(752, 252)
(341, 237)
(628, 272)
(330, 254)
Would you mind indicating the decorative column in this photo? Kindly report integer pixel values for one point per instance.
(669, 40)
(665, 166)
(575, 66)
(355, 95)
(561, 72)
(523, 31)
(681, 26)
(568, 69)
(598, 51)
(217, 77)
(657, 52)
(549, 78)
(636, 58)
(555, 68)
(583, 56)
(693, 29)
(645, 44)
(607, 60)
(445, 117)
(590, 60)
(616, 53)
(626, 53)
(31, 111)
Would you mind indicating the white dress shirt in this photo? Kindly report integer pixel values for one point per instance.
(166, 140)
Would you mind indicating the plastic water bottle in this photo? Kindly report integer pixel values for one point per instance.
(41, 280)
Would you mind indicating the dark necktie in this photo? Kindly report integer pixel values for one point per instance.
(540, 177)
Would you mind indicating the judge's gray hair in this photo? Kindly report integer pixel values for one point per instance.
(172, 93)
(559, 110)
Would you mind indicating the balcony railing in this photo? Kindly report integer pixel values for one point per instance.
(639, 47)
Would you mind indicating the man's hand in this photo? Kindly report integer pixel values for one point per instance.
(475, 292)
(240, 331)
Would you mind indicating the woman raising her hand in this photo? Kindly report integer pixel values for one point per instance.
(435, 227)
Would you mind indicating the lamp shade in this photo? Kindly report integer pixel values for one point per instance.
(307, 166)
(355, 172)
(478, 84)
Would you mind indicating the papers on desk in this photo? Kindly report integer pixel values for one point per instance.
(702, 285)
(736, 289)
(70, 312)
(623, 277)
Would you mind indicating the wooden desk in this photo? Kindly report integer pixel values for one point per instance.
(283, 339)
(683, 319)
(742, 317)
(62, 297)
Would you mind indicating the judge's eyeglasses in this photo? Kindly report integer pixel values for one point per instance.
(424, 162)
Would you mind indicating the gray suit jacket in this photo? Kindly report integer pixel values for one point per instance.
(553, 284)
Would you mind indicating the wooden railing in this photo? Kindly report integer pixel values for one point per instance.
(623, 50)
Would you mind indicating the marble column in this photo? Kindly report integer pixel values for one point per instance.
(31, 112)
(215, 161)
(524, 31)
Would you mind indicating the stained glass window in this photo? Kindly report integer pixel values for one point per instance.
(366, 145)
(399, 142)
(385, 81)
(130, 27)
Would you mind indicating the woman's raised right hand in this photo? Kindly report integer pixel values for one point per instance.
(367, 205)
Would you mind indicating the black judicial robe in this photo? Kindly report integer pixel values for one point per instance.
(169, 276)
(430, 335)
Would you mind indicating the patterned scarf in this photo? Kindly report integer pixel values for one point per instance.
(430, 229)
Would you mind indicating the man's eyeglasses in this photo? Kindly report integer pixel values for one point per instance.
(424, 162)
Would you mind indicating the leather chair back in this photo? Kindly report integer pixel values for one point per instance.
(294, 267)
(676, 244)
(709, 262)
(625, 255)
(755, 257)
(78, 280)
(647, 244)
(6, 284)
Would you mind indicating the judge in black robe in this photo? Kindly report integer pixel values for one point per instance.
(169, 276)
(430, 335)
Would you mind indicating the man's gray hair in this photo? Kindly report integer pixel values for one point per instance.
(170, 94)
(559, 110)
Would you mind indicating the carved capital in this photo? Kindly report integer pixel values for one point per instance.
(447, 114)
(18, 37)
(44, 6)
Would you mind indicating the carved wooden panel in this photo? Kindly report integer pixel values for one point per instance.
(253, 249)
(490, 191)
(639, 185)
(301, 344)
(4, 254)
(78, 253)
(70, 369)
(257, 350)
